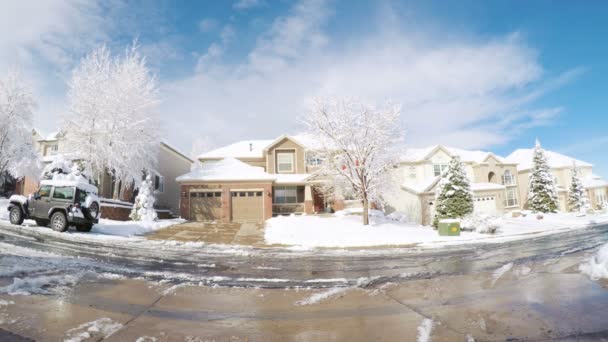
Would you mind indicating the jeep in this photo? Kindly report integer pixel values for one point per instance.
(59, 204)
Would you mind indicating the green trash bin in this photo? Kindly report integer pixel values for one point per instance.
(449, 227)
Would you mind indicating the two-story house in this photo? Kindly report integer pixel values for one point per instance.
(561, 168)
(253, 180)
(493, 181)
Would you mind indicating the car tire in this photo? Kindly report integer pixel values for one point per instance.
(84, 227)
(59, 222)
(41, 223)
(16, 216)
(88, 212)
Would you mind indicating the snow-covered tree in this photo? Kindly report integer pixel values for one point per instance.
(542, 196)
(18, 156)
(357, 144)
(453, 194)
(577, 195)
(111, 124)
(143, 207)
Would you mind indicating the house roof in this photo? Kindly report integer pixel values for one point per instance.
(523, 158)
(594, 181)
(423, 186)
(228, 169)
(175, 150)
(47, 136)
(486, 186)
(472, 156)
(297, 178)
(241, 149)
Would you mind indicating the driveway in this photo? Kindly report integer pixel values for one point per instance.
(224, 233)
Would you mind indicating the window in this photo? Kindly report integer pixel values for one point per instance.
(285, 194)
(159, 183)
(45, 191)
(511, 198)
(508, 179)
(285, 162)
(53, 149)
(63, 193)
(439, 169)
(313, 159)
(600, 197)
(412, 172)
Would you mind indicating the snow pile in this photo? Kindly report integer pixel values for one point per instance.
(424, 330)
(143, 207)
(100, 329)
(481, 223)
(44, 284)
(18, 199)
(597, 266)
(6, 302)
(397, 216)
(131, 228)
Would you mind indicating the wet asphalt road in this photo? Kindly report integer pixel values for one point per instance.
(280, 267)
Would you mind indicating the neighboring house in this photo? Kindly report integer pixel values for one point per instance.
(171, 163)
(561, 168)
(493, 181)
(253, 180)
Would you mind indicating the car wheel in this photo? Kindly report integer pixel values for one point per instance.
(59, 222)
(42, 223)
(84, 227)
(16, 216)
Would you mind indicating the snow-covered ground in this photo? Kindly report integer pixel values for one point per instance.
(3, 211)
(597, 266)
(345, 230)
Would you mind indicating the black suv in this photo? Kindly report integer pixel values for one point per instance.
(59, 206)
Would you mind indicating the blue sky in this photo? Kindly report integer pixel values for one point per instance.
(473, 74)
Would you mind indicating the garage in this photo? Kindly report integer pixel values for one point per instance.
(485, 205)
(206, 205)
(247, 205)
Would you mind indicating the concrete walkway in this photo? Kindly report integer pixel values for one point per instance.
(227, 233)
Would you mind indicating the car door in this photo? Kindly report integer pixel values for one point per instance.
(40, 206)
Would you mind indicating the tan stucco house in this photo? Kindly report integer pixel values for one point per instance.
(253, 180)
(493, 181)
(561, 168)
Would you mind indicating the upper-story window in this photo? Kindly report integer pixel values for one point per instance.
(439, 169)
(313, 159)
(53, 149)
(285, 162)
(507, 178)
(412, 171)
(159, 183)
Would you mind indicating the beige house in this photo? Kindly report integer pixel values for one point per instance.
(253, 180)
(561, 168)
(171, 163)
(493, 181)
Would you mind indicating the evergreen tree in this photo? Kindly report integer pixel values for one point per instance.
(143, 207)
(454, 198)
(542, 197)
(577, 196)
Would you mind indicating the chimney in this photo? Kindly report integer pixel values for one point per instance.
(250, 147)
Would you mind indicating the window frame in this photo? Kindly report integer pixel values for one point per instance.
(511, 201)
(281, 196)
(159, 183)
(63, 199)
(292, 164)
(49, 193)
(442, 168)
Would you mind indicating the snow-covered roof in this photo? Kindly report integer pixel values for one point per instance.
(70, 180)
(227, 169)
(472, 156)
(422, 186)
(523, 159)
(241, 149)
(486, 186)
(594, 181)
(291, 178)
(47, 136)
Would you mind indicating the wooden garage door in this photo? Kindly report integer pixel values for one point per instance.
(247, 205)
(206, 206)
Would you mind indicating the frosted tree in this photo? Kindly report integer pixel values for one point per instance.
(357, 144)
(453, 194)
(542, 196)
(111, 124)
(18, 156)
(143, 207)
(577, 195)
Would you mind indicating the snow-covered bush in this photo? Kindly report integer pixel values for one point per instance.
(543, 194)
(398, 216)
(454, 197)
(597, 266)
(143, 207)
(481, 223)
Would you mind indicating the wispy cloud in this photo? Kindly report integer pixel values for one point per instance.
(246, 4)
(208, 25)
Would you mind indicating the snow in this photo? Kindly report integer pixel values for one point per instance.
(40, 284)
(226, 170)
(241, 149)
(467, 156)
(486, 186)
(6, 302)
(70, 179)
(3, 209)
(18, 199)
(345, 229)
(143, 207)
(293, 178)
(424, 330)
(594, 181)
(131, 228)
(597, 266)
(523, 158)
(100, 329)
(322, 296)
(423, 186)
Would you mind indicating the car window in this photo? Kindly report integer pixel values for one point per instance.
(45, 191)
(81, 195)
(63, 192)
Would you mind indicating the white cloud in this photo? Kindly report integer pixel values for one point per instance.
(460, 91)
(246, 4)
(208, 25)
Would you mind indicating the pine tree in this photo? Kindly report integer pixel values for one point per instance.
(143, 207)
(577, 196)
(454, 198)
(543, 195)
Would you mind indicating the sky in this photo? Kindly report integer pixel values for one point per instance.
(491, 75)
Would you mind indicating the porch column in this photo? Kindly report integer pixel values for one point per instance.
(308, 205)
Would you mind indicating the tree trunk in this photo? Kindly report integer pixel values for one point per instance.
(116, 191)
(365, 211)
